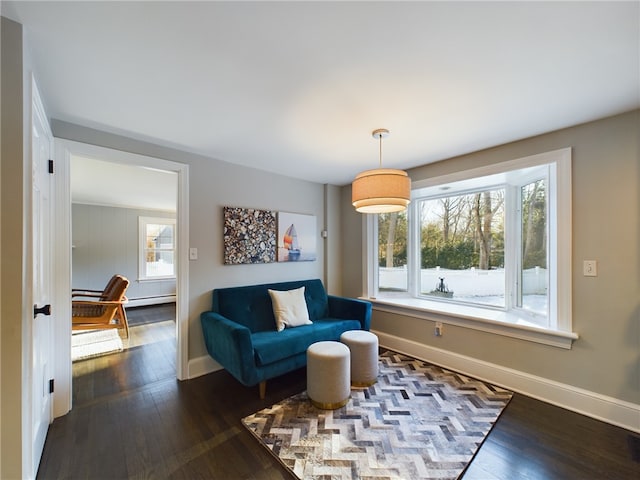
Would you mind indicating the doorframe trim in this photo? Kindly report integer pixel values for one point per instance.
(64, 149)
(62, 395)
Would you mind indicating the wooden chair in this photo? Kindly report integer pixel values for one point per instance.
(100, 294)
(106, 310)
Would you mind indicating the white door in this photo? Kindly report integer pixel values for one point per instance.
(42, 327)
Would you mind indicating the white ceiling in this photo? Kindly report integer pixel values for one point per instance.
(297, 87)
(97, 182)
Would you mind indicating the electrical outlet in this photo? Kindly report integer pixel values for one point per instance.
(590, 268)
(438, 330)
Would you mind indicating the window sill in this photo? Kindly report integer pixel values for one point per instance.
(508, 324)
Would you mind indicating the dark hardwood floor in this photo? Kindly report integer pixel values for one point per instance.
(132, 419)
(151, 314)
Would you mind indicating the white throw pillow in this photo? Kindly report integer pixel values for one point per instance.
(289, 308)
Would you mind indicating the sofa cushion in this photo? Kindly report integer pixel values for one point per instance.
(273, 346)
(289, 308)
(251, 305)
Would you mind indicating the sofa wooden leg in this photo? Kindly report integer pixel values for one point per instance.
(263, 389)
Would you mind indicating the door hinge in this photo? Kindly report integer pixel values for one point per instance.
(50, 166)
(51, 385)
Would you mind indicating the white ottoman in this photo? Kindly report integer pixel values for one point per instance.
(328, 378)
(364, 356)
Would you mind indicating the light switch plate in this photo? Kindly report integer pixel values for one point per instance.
(590, 268)
(193, 253)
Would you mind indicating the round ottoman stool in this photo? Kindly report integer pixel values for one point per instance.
(328, 378)
(364, 356)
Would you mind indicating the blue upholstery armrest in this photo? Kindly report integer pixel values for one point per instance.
(350, 308)
(230, 344)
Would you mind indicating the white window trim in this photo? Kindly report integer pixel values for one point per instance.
(142, 223)
(510, 324)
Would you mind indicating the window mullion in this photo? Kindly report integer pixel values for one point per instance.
(554, 236)
(370, 265)
(513, 248)
(413, 249)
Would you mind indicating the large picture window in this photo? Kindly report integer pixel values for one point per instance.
(490, 244)
(157, 248)
(462, 236)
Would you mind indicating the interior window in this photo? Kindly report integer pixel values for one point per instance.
(157, 248)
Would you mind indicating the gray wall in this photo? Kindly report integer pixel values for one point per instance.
(212, 185)
(332, 244)
(12, 272)
(105, 242)
(606, 227)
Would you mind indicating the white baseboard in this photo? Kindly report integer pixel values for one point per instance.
(144, 301)
(601, 407)
(201, 366)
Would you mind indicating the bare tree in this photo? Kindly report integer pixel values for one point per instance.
(484, 209)
(483, 236)
(486, 227)
(534, 224)
(528, 227)
(446, 206)
(453, 211)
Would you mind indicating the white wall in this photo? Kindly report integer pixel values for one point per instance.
(105, 241)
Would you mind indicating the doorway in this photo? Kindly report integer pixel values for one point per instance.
(143, 173)
(123, 224)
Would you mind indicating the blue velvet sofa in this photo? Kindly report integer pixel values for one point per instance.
(240, 330)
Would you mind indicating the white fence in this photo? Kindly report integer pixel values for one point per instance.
(472, 282)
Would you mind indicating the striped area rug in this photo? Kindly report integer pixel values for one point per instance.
(418, 421)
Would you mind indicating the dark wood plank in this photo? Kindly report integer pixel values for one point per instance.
(133, 419)
(151, 314)
(535, 440)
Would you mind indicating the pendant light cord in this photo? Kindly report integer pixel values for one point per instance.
(380, 137)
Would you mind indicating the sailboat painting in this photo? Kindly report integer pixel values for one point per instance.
(296, 237)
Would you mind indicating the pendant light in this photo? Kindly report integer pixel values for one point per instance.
(382, 190)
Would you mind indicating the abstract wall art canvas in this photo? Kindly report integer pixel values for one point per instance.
(296, 237)
(249, 236)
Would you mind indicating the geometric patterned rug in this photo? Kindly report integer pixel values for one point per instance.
(419, 421)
